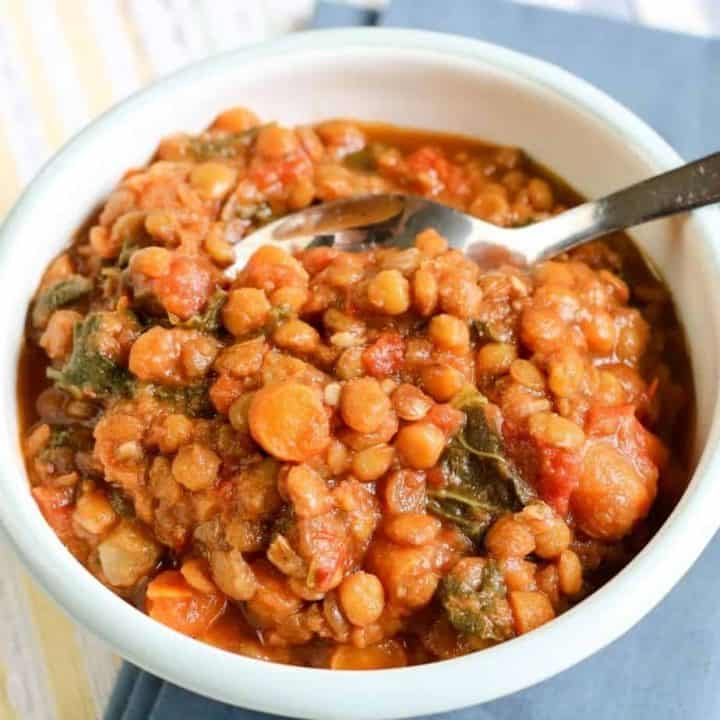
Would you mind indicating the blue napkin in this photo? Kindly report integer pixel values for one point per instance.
(668, 666)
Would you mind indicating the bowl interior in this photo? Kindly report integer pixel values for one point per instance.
(409, 79)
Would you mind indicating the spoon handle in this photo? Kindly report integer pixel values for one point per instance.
(685, 188)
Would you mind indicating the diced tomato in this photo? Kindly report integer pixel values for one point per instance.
(224, 391)
(447, 418)
(385, 356)
(185, 290)
(325, 541)
(175, 603)
(428, 169)
(57, 508)
(317, 259)
(272, 175)
(557, 477)
(269, 268)
(628, 435)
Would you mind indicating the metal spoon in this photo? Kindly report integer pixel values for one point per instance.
(394, 219)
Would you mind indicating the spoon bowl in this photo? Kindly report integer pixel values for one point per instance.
(394, 219)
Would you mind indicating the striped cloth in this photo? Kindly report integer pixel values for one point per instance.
(61, 63)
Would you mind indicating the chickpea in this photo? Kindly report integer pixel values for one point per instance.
(362, 598)
(212, 180)
(372, 463)
(246, 310)
(350, 365)
(57, 338)
(337, 457)
(301, 194)
(102, 243)
(37, 439)
(342, 135)
(196, 572)
(491, 206)
(153, 262)
(406, 261)
(600, 332)
(442, 382)
(514, 180)
(633, 338)
(519, 574)
(527, 374)
(175, 430)
(449, 333)
(412, 528)
(404, 491)
(609, 389)
(542, 329)
(410, 403)
(406, 572)
(540, 194)
(551, 429)
(569, 573)
(419, 445)
(548, 582)
(195, 467)
(495, 358)
(345, 270)
(459, 296)
(552, 535)
(509, 537)
(236, 120)
(242, 359)
(93, 513)
(232, 574)
(389, 292)
(275, 142)
(296, 336)
(364, 405)
(307, 492)
(197, 355)
(238, 413)
(425, 292)
(566, 369)
(127, 554)
(217, 247)
(554, 273)
(292, 297)
(612, 494)
(431, 243)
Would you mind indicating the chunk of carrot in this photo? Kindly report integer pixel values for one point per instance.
(171, 600)
(289, 421)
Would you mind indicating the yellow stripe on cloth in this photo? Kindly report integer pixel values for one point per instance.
(144, 66)
(9, 182)
(89, 59)
(6, 710)
(40, 90)
(67, 674)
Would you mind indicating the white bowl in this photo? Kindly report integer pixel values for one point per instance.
(410, 78)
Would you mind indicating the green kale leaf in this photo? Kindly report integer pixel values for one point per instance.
(478, 609)
(209, 146)
(58, 295)
(87, 370)
(481, 481)
(191, 400)
(208, 321)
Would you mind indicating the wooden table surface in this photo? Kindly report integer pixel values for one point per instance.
(62, 62)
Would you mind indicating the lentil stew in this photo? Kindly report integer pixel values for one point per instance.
(338, 460)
